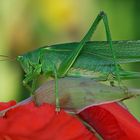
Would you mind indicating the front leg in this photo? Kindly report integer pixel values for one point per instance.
(31, 88)
(25, 84)
(56, 90)
(49, 69)
(32, 77)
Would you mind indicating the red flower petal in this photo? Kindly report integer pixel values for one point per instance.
(29, 122)
(112, 121)
(6, 105)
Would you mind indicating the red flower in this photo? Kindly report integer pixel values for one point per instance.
(29, 122)
(112, 122)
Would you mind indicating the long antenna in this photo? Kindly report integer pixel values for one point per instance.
(5, 58)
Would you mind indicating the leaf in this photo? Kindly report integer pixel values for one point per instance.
(76, 94)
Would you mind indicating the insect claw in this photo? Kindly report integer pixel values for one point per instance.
(24, 82)
(57, 109)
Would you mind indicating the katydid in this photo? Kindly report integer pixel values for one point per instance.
(96, 60)
(40, 62)
(76, 94)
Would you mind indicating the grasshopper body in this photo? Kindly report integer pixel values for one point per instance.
(95, 60)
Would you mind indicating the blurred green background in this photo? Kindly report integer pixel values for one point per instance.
(28, 24)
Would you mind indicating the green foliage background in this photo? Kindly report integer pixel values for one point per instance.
(28, 24)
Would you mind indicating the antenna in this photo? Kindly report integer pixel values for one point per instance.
(5, 58)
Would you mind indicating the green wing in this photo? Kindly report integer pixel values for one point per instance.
(97, 57)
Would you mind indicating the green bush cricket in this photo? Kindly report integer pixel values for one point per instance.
(40, 62)
(82, 59)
